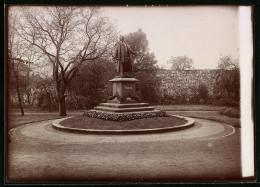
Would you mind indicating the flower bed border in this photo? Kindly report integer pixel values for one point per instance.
(56, 125)
(124, 116)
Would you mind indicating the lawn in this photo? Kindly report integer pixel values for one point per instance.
(200, 111)
(196, 111)
(211, 115)
(17, 120)
(189, 107)
(33, 115)
(84, 122)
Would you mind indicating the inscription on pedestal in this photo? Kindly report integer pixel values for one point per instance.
(128, 87)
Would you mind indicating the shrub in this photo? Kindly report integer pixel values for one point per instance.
(227, 88)
(231, 112)
(210, 101)
(194, 100)
(225, 102)
(203, 93)
(202, 101)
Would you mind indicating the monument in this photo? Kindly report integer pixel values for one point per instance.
(124, 100)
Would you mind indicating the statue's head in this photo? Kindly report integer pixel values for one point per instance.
(122, 38)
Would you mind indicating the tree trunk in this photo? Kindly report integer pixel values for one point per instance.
(48, 99)
(49, 102)
(19, 98)
(62, 106)
(28, 98)
(53, 102)
(60, 89)
(16, 75)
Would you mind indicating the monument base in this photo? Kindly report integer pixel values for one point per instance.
(124, 104)
(123, 91)
(122, 108)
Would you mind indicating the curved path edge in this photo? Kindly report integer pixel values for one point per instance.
(56, 124)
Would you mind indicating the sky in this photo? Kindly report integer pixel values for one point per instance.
(202, 33)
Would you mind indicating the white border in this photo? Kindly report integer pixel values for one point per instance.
(246, 67)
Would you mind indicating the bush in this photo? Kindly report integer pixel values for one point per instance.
(75, 102)
(210, 101)
(231, 112)
(202, 101)
(203, 93)
(194, 100)
(225, 102)
(227, 88)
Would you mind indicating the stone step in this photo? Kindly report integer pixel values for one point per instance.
(121, 110)
(116, 105)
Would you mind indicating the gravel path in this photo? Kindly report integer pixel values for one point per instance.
(208, 151)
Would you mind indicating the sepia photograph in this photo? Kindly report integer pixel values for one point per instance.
(129, 94)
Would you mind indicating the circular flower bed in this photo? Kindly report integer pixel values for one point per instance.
(83, 122)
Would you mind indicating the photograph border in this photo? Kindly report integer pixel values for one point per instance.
(256, 70)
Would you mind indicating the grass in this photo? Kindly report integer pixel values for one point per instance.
(189, 107)
(209, 112)
(197, 111)
(210, 115)
(15, 118)
(231, 112)
(84, 122)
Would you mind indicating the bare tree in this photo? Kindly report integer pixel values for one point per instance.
(227, 62)
(67, 36)
(11, 62)
(20, 59)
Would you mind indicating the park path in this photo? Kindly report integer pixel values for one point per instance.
(207, 151)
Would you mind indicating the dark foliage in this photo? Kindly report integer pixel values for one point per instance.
(203, 93)
(91, 85)
(227, 88)
(145, 68)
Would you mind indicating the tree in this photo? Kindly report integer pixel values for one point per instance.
(145, 66)
(227, 87)
(45, 92)
(20, 59)
(139, 43)
(181, 63)
(68, 37)
(16, 80)
(203, 92)
(91, 84)
(227, 62)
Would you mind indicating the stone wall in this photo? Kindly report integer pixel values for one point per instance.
(178, 86)
(185, 83)
(175, 87)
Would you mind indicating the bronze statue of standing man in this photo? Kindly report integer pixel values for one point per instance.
(123, 54)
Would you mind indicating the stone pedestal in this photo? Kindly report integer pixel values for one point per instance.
(123, 108)
(124, 104)
(123, 91)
